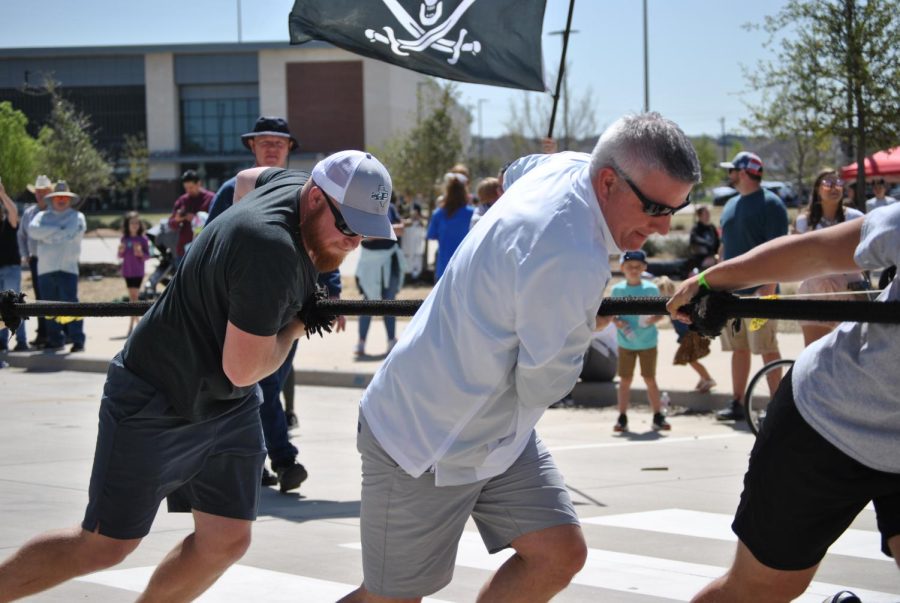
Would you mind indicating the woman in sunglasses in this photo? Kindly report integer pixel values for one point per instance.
(826, 209)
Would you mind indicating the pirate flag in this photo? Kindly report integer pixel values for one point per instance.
(494, 42)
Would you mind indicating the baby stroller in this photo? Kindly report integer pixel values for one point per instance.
(164, 240)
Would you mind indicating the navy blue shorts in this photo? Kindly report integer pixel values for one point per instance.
(801, 492)
(147, 452)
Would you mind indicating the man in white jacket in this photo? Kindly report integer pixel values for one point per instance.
(446, 428)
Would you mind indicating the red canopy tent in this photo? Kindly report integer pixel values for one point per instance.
(885, 164)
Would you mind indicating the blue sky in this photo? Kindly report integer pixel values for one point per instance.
(697, 47)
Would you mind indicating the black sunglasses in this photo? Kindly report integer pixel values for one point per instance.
(339, 221)
(650, 207)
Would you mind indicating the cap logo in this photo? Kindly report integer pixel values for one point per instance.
(381, 195)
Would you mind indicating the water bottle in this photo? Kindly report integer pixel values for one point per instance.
(664, 400)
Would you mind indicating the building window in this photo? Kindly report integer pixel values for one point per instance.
(212, 123)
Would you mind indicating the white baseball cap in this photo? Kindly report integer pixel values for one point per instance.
(362, 187)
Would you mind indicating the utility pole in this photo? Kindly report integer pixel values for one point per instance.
(722, 141)
(240, 35)
(646, 64)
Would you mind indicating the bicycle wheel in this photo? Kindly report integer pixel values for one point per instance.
(757, 396)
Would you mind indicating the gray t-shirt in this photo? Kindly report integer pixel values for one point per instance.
(248, 267)
(845, 384)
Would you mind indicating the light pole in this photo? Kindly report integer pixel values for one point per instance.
(480, 137)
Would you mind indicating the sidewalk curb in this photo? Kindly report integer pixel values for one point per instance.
(594, 395)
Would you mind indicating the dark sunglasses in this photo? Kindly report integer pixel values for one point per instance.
(339, 221)
(650, 207)
(832, 183)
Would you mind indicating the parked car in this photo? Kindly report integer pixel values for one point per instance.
(721, 194)
(784, 190)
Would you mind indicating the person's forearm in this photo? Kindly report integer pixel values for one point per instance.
(12, 212)
(790, 258)
(244, 366)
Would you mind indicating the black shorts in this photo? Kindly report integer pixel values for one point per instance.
(133, 282)
(147, 452)
(801, 493)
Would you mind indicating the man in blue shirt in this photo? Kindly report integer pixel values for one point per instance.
(751, 218)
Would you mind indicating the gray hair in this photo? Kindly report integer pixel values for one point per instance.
(646, 142)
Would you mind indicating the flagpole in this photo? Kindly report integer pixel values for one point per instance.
(562, 66)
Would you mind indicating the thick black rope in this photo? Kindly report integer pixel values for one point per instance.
(732, 306)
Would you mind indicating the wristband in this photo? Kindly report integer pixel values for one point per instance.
(701, 279)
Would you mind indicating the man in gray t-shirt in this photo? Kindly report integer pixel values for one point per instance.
(829, 444)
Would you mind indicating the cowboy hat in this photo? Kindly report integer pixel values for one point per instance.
(61, 190)
(40, 182)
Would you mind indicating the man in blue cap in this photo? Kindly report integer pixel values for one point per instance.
(749, 219)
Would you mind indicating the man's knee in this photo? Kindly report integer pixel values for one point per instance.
(100, 552)
(747, 575)
(561, 550)
(227, 542)
(894, 546)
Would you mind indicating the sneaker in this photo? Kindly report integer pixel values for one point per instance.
(622, 424)
(660, 423)
(38, 343)
(705, 386)
(76, 347)
(268, 478)
(4, 364)
(291, 476)
(21, 347)
(734, 412)
(360, 349)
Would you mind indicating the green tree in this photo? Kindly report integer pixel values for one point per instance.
(708, 154)
(835, 73)
(137, 155)
(67, 148)
(18, 150)
(418, 158)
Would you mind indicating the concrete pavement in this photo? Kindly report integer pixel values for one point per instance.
(655, 507)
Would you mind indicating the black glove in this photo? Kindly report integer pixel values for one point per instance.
(8, 311)
(315, 319)
(708, 310)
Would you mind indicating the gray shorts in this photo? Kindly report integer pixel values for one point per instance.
(147, 452)
(411, 528)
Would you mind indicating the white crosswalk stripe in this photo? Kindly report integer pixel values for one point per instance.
(643, 575)
(717, 526)
(240, 584)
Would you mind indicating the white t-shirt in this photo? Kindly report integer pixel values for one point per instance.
(802, 223)
(845, 384)
(503, 333)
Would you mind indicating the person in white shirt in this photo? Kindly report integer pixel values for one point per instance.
(879, 188)
(446, 428)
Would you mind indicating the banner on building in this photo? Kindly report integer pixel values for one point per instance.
(493, 42)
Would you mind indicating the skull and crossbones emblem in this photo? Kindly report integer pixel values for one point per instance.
(425, 32)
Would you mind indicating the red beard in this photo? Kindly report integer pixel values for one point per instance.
(311, 235)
